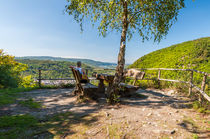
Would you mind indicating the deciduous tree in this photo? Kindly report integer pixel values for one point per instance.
(151, 19)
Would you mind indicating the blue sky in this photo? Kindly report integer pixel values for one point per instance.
(40, 28)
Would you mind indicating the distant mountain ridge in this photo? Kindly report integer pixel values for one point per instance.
(86, 61)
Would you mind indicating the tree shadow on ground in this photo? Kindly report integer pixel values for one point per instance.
(67, 124)
(62, 116)
(155, 100)
(190, 126)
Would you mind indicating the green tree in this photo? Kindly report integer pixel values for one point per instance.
(10, 71)
(150, 18)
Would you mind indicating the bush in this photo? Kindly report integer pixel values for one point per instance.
(10, 71)
(28, 82)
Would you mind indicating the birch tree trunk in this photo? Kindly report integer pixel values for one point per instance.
(113, 90)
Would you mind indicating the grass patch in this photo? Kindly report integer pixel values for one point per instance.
(119, 130)
(31, 104)
(197, 106)
(189, 124)
(8, 96)
(195, 136)
(70, 124)
(66, 124)
(17, 126)
(61, 85)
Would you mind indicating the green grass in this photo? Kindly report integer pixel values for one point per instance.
(202, 109)
(17, 126)
(27, 126)
(195, 136)
(8, 96)
(62, 85)
(31, 104)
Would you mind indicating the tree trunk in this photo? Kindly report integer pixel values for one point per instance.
(113, 91)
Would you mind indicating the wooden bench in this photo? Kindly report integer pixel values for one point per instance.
(134, 73)
(83, 89)
(126, 89)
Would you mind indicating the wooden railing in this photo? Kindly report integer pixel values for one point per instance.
(40, 78)
(190, 82)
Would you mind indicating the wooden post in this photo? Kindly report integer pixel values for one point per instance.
(203, 87)
(134, 82)
(204, 82)
(191, 82)
(159, 73)
(40, 78)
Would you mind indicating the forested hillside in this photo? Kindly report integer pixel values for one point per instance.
(58, 69)
(187, 55)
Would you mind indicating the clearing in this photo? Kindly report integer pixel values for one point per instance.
(152, 114)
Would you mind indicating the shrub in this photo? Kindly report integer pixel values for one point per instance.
(10, 71)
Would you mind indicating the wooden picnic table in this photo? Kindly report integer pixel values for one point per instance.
(104, 77)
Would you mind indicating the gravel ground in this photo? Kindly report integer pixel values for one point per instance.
(162, 114)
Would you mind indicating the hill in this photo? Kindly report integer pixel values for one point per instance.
(187, 55)
(58, 69)
(86, 61)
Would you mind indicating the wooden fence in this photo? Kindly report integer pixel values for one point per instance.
(40, 76)
(190, 81)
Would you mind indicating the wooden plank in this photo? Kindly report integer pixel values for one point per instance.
(202, 92)
(163, 69)
(173, 80)
(175, 70)
(61, 70)
(66, 79)
(201, 72)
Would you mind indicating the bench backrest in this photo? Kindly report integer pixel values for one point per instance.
(134, 73)
(77, 75)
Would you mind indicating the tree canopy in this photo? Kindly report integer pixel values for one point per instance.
(150, 18)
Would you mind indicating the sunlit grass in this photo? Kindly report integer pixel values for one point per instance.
(17, 126)
(31, 103)
(8, 96)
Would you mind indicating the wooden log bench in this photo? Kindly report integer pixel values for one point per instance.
(83, 89)
(127, 90)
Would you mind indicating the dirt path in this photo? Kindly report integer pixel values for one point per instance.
(161, 114)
